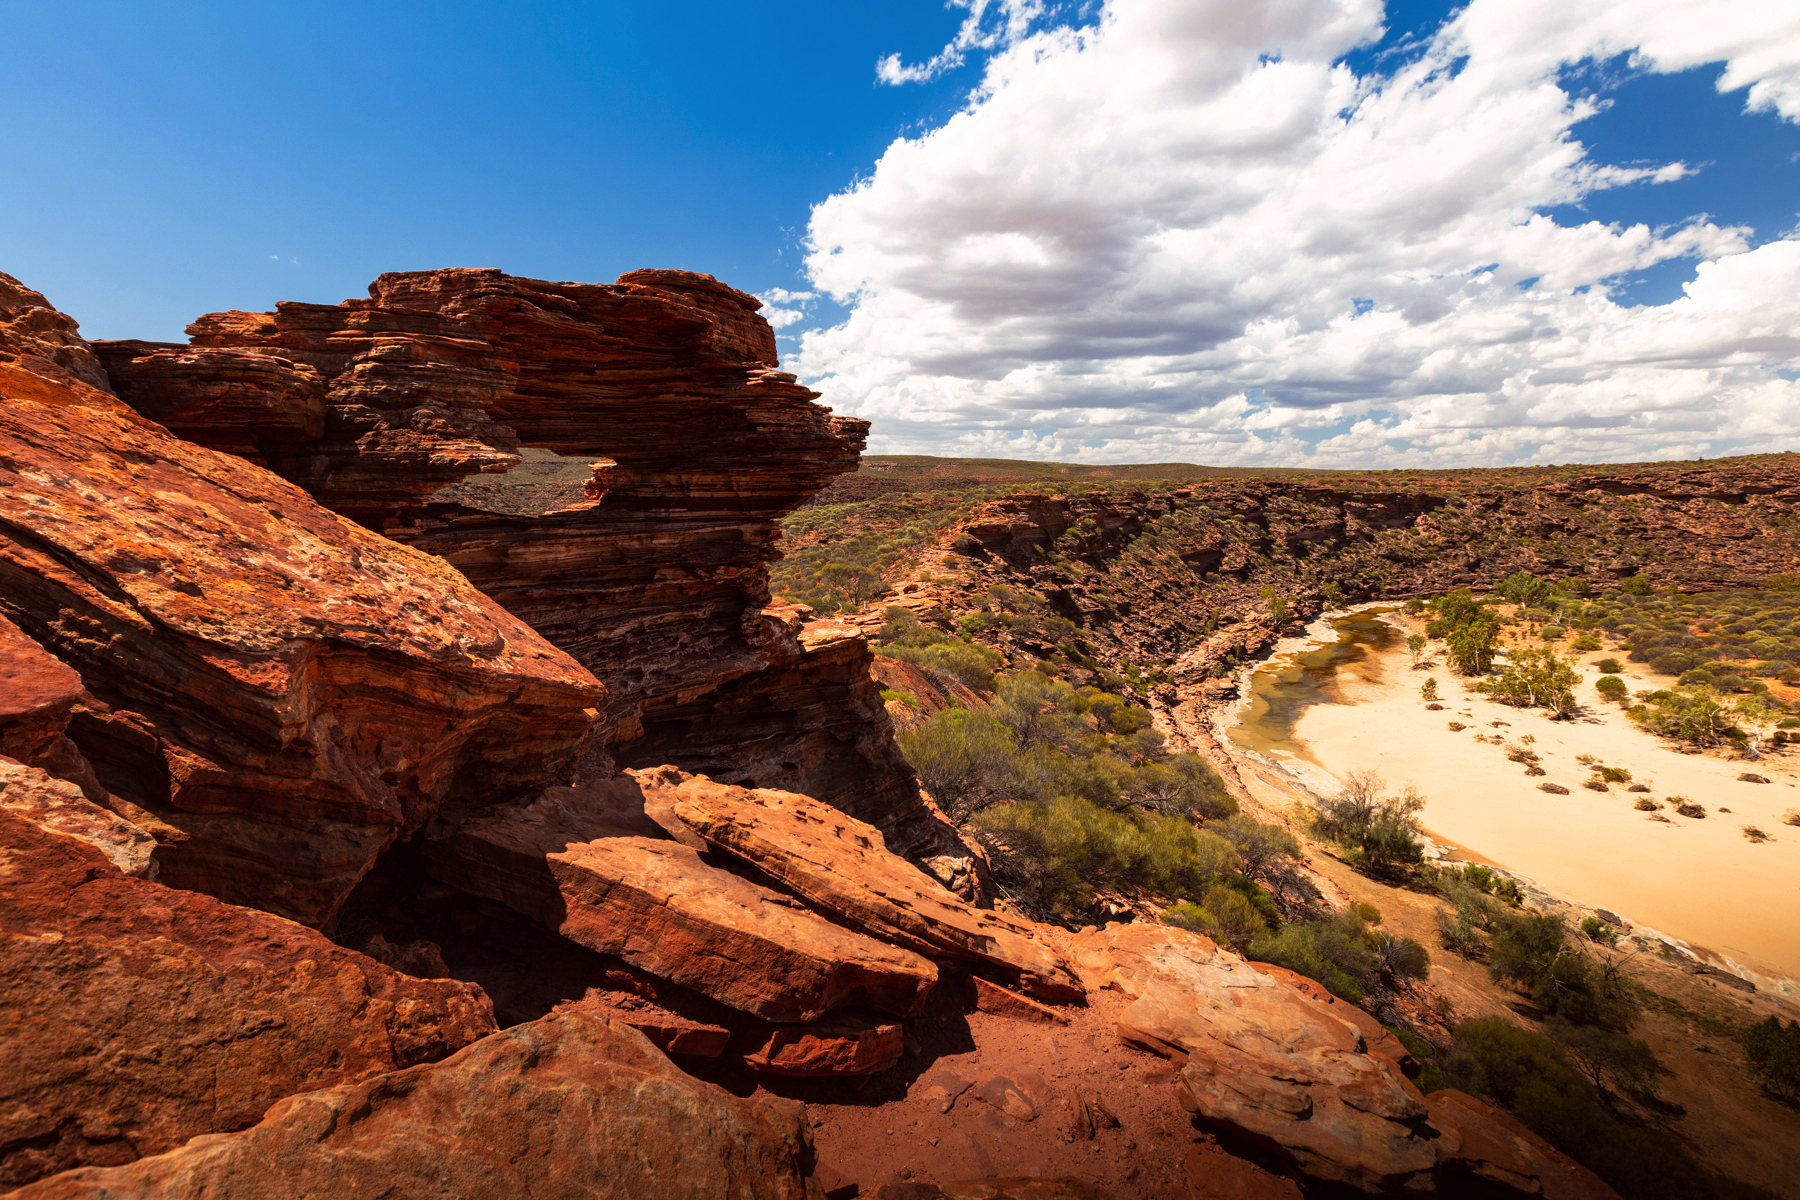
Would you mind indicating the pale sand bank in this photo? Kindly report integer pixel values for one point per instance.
(1697, 880)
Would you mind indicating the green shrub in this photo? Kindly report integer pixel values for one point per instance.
(1056, 851)
(1532, 951)
(1611, 687)
(1637, 585)
(971, 665)
(1383, 829)
(961, 757)
(1551, 632)
(1609, 666)
(1224, 914)
(1772, 1051)
(888, 695)
(1334, 950)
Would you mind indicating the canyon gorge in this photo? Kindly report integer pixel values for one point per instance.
(364, 840)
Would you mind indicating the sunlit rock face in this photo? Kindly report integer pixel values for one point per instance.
(657, 579)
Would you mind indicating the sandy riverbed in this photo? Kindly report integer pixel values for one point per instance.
(1700, 881)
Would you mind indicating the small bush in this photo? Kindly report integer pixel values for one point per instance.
(1456, 726)
(1428, 690)
(1756, 835)
(1336, 950)
(1687, 808)
(1224, 915)
(1595, 785)
(1791, 817)
(1615, 774)
(1772, 1051)
(888, 695)
(1585, 643)
(1611, 687)
(1646, 804)
(1384, 830)
(1551, 632)
(1596, 930)
(1608, 666)
(1555, 789)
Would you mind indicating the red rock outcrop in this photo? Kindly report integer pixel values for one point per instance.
(38, 695)
(1266, 1062)
(570, 1107)
(659, 906)
(275, 693)
(658, 580)
(840, 866)
(58, 806)
(224, 399)
(42, 351)
(134, 1016)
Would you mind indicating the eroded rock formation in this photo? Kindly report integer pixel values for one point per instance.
(134, 1016)
(273, 692)
(572, 1106)
(657, 581)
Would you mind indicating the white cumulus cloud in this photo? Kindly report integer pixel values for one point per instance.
(1188, 231)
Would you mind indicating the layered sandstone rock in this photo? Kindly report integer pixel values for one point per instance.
(134, 1016)
(58, 806)
(1265, 1061)
(38, 694)
(658, 580)
(659, 906)
(42, 351)
(225, 399)
(570, 1107)
(840, 866)
(274, 693)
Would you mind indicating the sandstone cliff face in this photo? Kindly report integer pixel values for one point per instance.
(273, 692)
(657, 582)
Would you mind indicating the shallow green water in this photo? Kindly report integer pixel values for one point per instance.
(1283, 688)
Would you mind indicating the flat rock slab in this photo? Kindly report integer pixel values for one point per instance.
(1002, 1002)
(659, 906)
(57, 806)
(830, 1047)
(1265, 1061)
(135, 1016)
(570, 1107)
(842, 866)
(1020, 1095)
(670, 1033)
(940, 1088)
(1376, 1039)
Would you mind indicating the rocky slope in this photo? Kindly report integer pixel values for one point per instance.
(320, 873)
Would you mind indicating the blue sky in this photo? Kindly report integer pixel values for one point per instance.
(168, 160)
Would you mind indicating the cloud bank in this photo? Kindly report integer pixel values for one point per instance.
(1187, 231)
